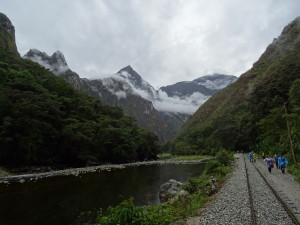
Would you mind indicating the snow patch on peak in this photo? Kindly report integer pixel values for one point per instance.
(140, 86)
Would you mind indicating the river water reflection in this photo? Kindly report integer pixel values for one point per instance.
(71, 200)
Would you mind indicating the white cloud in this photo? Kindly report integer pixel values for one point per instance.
(176, 104)
(165, 40)
(116, 86)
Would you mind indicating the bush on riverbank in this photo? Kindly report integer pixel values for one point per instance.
(176, 209)
(127, 213)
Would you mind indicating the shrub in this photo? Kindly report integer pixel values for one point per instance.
(295, 170)
(195, 184)
(126, 213)
(223, 157)
(222, 170)
(211, 166)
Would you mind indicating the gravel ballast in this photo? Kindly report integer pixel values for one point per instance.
(267, 208)
(231, 205)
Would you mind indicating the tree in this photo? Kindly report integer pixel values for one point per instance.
(294, 116)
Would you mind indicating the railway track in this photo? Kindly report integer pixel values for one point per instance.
(256, 213)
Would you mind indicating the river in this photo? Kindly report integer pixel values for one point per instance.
(76, 199)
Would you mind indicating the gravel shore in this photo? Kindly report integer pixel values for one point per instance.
(6, 178)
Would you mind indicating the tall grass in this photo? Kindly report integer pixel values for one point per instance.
(170, 157)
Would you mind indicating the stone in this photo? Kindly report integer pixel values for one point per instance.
(170, 189)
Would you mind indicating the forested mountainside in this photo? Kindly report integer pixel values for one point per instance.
(250, 114)
(114, 91)
(162, 112)
(46, 122)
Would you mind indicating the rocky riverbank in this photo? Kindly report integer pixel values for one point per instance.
(3, 173)
(6, 178)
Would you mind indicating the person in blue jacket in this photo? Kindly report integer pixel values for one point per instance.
(282, 162)
(251, 156)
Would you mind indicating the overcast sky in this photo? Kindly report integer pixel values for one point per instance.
(165, 41)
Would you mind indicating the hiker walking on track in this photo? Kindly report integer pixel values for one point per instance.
(282, 162)
(269, 162)
(251, 156)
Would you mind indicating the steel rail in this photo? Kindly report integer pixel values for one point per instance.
(253, 213)
(287, 209)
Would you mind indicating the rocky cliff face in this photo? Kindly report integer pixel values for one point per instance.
(206, 85)
(114, 91)
(55, 63)
(141, 86)
(7, 35)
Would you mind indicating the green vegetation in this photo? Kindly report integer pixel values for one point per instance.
(189, 157)
(295, 170)
(249, 114)
(4, 172)
(176, 209)
(127, 213)
(45, 122)
(170, 157)
(164, 156)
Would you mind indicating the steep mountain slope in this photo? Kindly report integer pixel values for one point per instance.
(46, 122)
(142, 87)
(7, 35)
(113, 91)
(229, 118)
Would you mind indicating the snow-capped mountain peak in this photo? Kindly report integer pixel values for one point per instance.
(215, 81)
(188, 96)
(138, 84)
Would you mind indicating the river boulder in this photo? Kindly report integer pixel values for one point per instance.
(170, 189)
